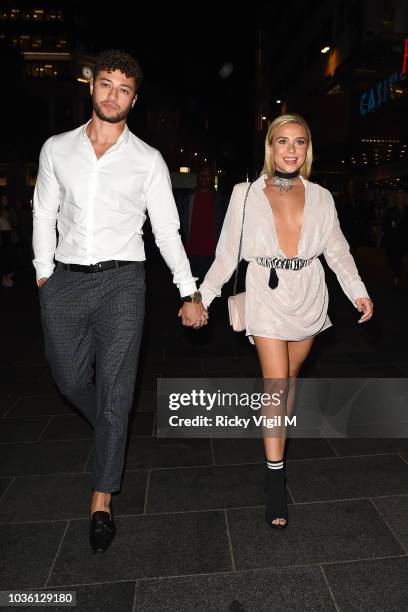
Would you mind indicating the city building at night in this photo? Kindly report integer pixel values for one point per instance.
(345, 72)
(50, 73)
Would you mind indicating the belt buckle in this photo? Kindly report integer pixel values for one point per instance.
(95, 268)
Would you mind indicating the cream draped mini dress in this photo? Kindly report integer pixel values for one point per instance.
(297, 308)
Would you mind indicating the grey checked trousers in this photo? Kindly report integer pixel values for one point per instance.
(93, 322)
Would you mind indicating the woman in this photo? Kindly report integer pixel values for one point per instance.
(289, 222)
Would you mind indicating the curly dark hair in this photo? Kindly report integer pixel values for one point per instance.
(113, 59)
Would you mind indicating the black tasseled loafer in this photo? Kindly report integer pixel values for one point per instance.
(102, 531)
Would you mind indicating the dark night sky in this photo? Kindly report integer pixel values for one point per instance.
(182, 50)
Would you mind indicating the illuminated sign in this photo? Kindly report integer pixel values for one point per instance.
(377, 96)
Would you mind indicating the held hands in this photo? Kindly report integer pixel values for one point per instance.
(365, 306)
(193, 315)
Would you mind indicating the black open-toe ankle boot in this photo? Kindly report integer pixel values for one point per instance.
(276, 502)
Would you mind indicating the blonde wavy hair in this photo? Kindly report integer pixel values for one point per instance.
(269, 163)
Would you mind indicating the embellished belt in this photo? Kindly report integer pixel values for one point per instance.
(295, 263)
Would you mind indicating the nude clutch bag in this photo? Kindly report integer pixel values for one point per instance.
(236, 311)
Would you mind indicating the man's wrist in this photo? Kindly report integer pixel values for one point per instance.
(43, 271)
(194, 298)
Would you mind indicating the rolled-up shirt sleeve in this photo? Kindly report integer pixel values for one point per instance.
(45, 210)
(165, 221)
(338, 256)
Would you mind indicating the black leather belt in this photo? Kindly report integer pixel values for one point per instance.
(98, 267)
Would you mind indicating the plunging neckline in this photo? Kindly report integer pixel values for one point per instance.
(304, 182)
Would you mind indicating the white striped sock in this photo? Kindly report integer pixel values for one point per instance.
(275, 465)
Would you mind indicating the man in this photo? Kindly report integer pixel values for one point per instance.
(95, 183)
(202, 216)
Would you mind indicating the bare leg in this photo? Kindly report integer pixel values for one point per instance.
(298, 351)
(281, 359)
(273, 356)
(274, 361)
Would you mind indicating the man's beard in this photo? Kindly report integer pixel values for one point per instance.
(109, 118)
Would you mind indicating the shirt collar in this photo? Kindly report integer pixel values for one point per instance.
(260, 181)
(123, 138)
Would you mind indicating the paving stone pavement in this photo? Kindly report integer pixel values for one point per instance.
(190, 527)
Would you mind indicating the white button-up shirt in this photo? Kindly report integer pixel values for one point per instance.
(99, 205)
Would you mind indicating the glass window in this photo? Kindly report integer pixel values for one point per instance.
(24, 41)
(54, 15)
(36, 42)
(32, 70)
(38, 14)
(61, 42)
(48, 72)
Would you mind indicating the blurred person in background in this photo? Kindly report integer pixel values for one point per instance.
(395, 234)
(6, 246)
(24, 224)
(202, 214)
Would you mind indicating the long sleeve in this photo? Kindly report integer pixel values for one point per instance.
(226, 254)
(338, 256)
(45, 210)
(165, 222)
